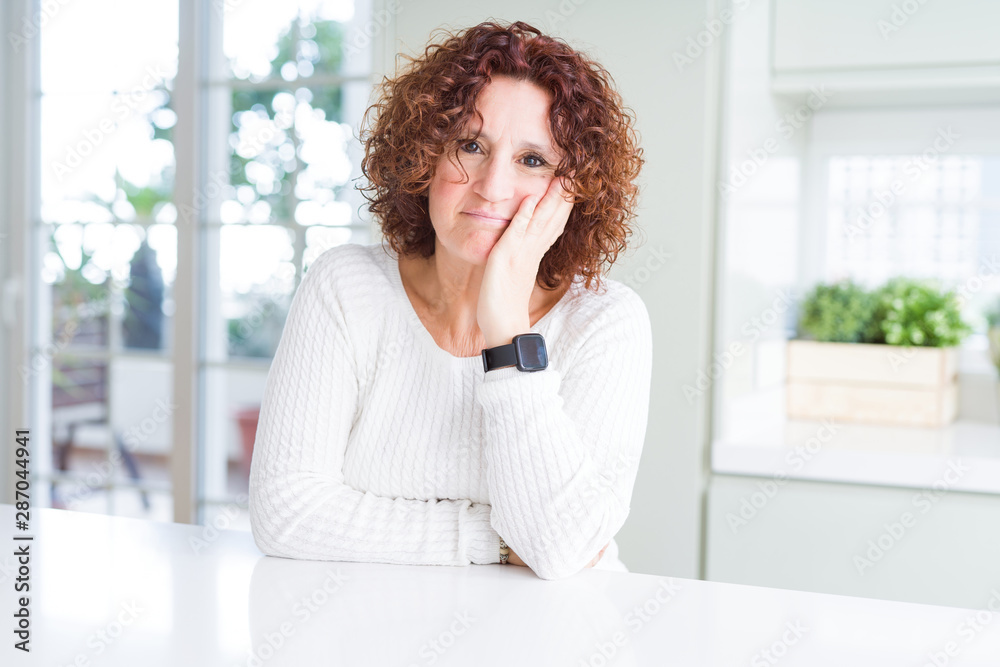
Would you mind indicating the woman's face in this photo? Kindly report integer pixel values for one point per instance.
(514, 157)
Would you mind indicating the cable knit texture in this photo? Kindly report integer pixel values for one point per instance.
(374, 444)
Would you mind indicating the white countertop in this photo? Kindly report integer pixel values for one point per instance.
(118, 591)
(963, 456)
(754, 438)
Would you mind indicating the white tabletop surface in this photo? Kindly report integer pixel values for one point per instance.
(117, 591)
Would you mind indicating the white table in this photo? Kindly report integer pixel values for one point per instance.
(117, 591)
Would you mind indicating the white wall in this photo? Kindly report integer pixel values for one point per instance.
(676, 110)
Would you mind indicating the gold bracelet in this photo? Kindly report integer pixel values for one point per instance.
(504, 552)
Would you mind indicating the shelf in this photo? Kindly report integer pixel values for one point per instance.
(892, 87)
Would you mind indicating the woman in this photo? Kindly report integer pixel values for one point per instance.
(501, 169)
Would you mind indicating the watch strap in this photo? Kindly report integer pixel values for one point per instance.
(500, 356)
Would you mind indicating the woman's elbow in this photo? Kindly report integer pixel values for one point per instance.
(263, 536)
(265, 530)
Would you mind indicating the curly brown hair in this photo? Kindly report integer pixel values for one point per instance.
(422, 113)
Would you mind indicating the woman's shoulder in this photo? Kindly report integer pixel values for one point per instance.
(597, 316)
(611, 300)
(345, 258)
(349, 269)
(348, 278)
(595, 320)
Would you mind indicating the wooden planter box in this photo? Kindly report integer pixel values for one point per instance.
(875, 384)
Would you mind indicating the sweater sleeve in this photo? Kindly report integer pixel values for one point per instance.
(563, 450)
(300, 506)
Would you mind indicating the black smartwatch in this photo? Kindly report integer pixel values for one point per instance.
(526, 351)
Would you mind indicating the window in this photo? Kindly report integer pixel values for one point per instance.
(107, 251)
(892, 215)
(284, 109)
(131, 249)
(914, 193)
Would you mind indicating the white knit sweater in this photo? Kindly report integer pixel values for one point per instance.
(374, 444)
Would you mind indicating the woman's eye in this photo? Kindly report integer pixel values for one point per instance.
(473, 147)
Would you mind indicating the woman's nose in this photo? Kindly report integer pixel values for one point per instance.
(495, 179)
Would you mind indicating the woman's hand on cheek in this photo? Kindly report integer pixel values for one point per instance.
(512, 267)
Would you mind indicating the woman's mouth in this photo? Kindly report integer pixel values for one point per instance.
(489, 221)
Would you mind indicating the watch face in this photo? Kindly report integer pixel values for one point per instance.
(531, 354)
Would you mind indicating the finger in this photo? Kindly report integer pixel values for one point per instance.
(553, 210)
(554, 199)
(565, 201)
(519, 223)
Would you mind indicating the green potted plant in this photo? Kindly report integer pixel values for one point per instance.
(915, 312)
(842, 312)
(886, 356)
